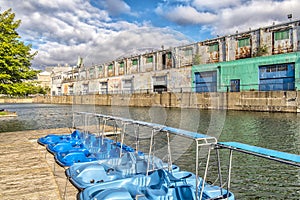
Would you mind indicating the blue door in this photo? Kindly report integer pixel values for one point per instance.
(235, 85)
(206, 81)
(277, 77)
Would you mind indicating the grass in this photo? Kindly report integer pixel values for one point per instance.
(4, 113)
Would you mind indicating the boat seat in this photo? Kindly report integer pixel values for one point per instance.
(172, 179)
(114, 153)
(156, 188)
(184, 192)
(125, 166)
(141, 166)
(75, 134)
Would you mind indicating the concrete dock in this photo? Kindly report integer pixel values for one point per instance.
(28, 171)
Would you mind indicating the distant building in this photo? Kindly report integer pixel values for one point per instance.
(58, 75)
(44, 79)
(264, 59)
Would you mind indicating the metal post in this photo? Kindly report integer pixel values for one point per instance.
(197, 163)
(98, 126)
(103, 129)
(73, 120)
(122, 137)
(219, 170)
(169, 152)
(229, 172)
(150, 150)
(137, 137)
(205, 174)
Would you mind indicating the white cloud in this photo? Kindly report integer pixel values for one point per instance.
(221, 17)
(215, 4)
(116, 7)
(186, 15)
(62, 30)
(254, 14)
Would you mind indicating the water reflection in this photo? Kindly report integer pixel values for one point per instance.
(252, 178)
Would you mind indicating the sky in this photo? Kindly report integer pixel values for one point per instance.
(100, 31)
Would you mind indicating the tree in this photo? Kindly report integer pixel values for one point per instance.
(15, 59)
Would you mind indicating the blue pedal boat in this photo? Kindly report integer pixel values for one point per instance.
(84, 175)
(96, 149)
(159, 184)
(87, 140)
(54, 139)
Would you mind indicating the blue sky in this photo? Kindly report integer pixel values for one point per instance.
(102, 30)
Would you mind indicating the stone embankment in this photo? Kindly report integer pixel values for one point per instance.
(272, 101)
(28, 171)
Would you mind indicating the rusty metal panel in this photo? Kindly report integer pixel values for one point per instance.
(110, 70)
(244, 52)
(133, 66)
(121, 70)
(120, 65)
(243, 47)
(213, 52)
(213, 57)
(282, 41)
(147, 63)
(100, 71)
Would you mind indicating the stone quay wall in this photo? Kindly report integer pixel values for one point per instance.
(272, 101)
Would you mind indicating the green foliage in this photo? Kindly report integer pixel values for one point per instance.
(15, 59)
(261, 50)
(197, 59)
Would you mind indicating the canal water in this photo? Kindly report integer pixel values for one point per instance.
(252, 177)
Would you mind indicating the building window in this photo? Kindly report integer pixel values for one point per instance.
(281, 35)
(59, 91)
(127, 86)
(85, 89)
(160, 78)
(188, 52)
(149, 59)
(244, 42)
(169, 55)
(91, 72)
(70, 89)
(134, 62)
(213, 47)
(103, 88)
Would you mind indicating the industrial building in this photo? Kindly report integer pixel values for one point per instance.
(264, 59)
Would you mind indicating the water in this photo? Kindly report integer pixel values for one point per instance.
(252, 177)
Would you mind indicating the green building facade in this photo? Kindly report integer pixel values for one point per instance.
(264, 73)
